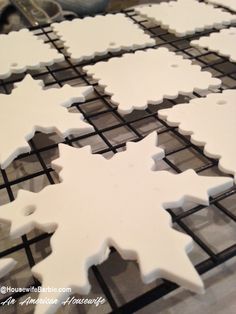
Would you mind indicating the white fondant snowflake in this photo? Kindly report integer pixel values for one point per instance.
(211, 123)
(118, 202)
(30, 108)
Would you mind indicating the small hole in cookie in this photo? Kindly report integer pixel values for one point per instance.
(150, 5)
(112, 43)
(221, 102)
(174, 65)
(29, 210)
(14, 64)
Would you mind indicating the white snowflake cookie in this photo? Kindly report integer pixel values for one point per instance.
(30, 108)
(82, 216)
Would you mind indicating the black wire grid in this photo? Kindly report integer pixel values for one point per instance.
(133, 127)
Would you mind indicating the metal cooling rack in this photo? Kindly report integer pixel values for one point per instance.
(112, 130)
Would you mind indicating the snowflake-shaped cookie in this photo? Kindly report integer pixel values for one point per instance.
(222, 42)
(91, 36)
(146, 77)
(23, 50)
(231, 4)
(87, 222)
(30, 108)
(211, 123)
(185, 17)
